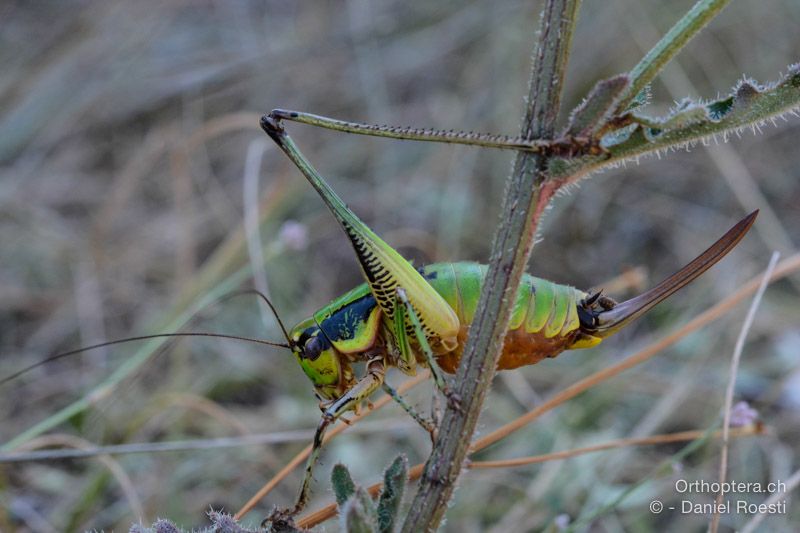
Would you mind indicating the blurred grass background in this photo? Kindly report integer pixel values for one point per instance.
(129, 129)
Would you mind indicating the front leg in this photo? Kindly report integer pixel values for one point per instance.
(376, 369)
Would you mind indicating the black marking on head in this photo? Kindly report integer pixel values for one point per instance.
(301, 340)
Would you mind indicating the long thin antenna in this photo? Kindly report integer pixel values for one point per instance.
(139, 338)
(272, 308)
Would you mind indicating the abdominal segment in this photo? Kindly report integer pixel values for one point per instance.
(544, 320)
(519, 349)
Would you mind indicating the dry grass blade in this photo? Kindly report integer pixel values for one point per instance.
(682, 436)
(113, 466)
(211, 409)
(258, 439)
(631, 279)
(737, 356)
(298, 459)
(785, 267)
(790, 485)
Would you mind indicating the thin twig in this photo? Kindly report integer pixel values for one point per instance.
(252, 221)
(279, 437)
(682, 436)
(737, 356)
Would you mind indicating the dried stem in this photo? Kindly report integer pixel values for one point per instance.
(681, 436)
(737, 356)
(790, 484)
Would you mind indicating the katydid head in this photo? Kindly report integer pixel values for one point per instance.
(315, 354)
(319, 359)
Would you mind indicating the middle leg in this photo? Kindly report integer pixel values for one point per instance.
(438, 374)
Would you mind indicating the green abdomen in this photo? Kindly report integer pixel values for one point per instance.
(544, 321)
(541, 305)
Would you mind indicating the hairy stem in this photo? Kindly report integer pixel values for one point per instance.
(526, 195)
(669, 45)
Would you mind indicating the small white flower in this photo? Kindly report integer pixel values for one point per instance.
(294, 235)
(743, 415)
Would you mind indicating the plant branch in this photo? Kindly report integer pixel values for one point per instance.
(669, 46)
(737, 356)
(749, 104)
(526, 195)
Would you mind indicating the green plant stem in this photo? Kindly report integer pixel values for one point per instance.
(526, 195)
(669, 46)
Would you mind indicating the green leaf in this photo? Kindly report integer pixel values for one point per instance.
(358, 514)
(394, 484)
(343, 485)
(596, 108)
(749, 104)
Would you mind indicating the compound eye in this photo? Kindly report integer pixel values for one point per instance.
(312, 348)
